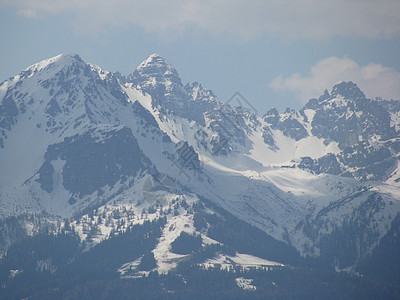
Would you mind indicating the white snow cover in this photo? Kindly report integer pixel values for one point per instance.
(242, 260)
(150, 61)
(289, 149)
(395, 120)
(245, 284)
(167, 260)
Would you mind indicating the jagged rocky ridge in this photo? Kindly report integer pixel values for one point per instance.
(104, 152)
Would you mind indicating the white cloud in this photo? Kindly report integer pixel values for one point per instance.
(374, 80)
(240, 18)
(28, 13)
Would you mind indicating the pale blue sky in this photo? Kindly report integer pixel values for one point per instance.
(275, 53)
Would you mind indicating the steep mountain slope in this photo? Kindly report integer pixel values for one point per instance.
(98, 154)
(71, 136)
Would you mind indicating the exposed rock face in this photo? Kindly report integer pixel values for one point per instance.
(93, 160)
(348, 117)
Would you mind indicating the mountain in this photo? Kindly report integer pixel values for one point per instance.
(140, 173)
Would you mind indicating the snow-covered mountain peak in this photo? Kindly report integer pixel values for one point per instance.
(45, 69)
(158, 78)
(156, 67)
(154, 59)
(57, 62)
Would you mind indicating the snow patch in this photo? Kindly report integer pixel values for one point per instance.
(245, 284)
(13, 273)
(167, 260)
(242, 260)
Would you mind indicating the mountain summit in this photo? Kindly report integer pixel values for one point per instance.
(157, 77)
(348, 90)
(157, 67)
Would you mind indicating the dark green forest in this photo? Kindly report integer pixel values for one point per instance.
(59, 266)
